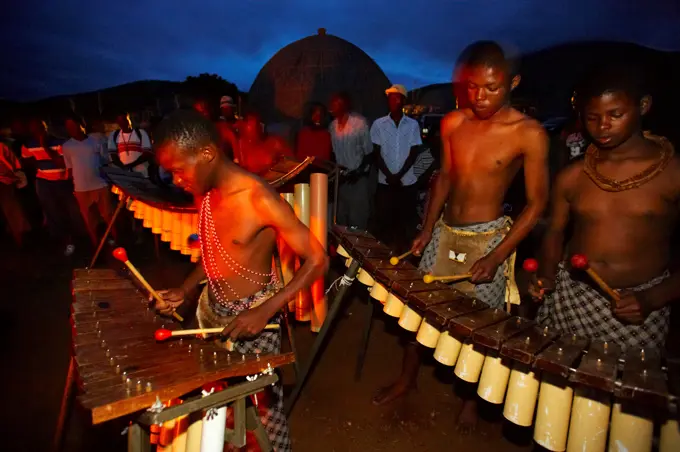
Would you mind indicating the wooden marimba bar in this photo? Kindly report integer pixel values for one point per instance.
(122, 370)
(579, 395)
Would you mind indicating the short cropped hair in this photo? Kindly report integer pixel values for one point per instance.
(487, 54)
(75, 118)
(345, 97)
(623, 77)
(188, 130)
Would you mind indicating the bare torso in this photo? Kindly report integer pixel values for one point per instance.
(486, 155)
(243, 237)
(625, 235)
(258, 156)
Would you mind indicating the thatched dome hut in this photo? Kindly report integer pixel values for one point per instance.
(311, 70)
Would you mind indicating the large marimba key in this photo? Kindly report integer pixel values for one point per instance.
(447, 347)
(570, 389)
(493, 381)
(121, 369)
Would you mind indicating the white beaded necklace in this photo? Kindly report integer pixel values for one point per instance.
(209, 241)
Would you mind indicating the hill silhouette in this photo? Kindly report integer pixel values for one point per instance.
(156, 95)
(549, 77)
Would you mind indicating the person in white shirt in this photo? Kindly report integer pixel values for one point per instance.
(353, 151)
(396, 141)
(130, 148)
(84, 156)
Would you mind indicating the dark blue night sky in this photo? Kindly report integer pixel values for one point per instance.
(65, 46)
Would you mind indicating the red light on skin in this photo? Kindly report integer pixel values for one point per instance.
(530, 265)
(579, 261)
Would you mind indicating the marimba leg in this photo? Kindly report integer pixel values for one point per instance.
(65, 406)
(364, 339)
(631, 431)
(253, 424)
(138, 439)
(120, 205)
(345, 283)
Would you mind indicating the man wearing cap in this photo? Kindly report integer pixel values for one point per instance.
(227, 110)
(396, 144)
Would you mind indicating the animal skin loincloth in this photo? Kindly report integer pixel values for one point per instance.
(454, 249)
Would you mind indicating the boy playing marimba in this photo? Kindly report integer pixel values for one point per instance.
(623, 200)
(240, 218)
(484, 145)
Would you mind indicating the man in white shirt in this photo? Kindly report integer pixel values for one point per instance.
(130, 148)
(84, 156)
(352, 148)
(396, 141)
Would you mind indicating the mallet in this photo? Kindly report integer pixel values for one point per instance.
(394, 260)
(164, 334)
(121, 255)
(451, 278)
(580, 262)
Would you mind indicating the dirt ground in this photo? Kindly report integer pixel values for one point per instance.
(334, 412)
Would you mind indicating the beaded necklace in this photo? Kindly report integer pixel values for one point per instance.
(209, 242)
(608, 184)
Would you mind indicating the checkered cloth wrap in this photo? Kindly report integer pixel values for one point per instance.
(211, 314)
(576, 307)
(492, 293)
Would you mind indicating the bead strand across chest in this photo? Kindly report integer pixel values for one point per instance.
(209, 241)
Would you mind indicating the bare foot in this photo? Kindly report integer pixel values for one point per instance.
(392, 392)
(468, 417)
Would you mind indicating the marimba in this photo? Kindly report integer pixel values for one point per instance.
(576, 393)
(170, 213)
(122, 370)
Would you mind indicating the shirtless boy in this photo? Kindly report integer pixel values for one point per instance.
(484, 145)
(240, 218)
(623, 201)
(257, 152)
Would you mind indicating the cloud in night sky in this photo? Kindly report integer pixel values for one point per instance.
(68, 46)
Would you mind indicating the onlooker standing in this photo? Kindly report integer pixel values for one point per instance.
(352, 147)
(227, 113)
(314, 140)
(53, 185)
(84, 156)
(130, 148)
(396, 139)
(12, 178)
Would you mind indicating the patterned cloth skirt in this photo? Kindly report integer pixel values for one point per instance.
(576, 307)
(211, 315)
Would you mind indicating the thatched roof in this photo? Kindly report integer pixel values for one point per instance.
(311, 70)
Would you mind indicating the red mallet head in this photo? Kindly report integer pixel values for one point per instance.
(120, 254)
(579, 261)
(530, 265)
(162, 334)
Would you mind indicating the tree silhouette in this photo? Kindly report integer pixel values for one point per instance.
(209, 87)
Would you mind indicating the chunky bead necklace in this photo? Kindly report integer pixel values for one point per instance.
(609, 184)
(209, 242)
